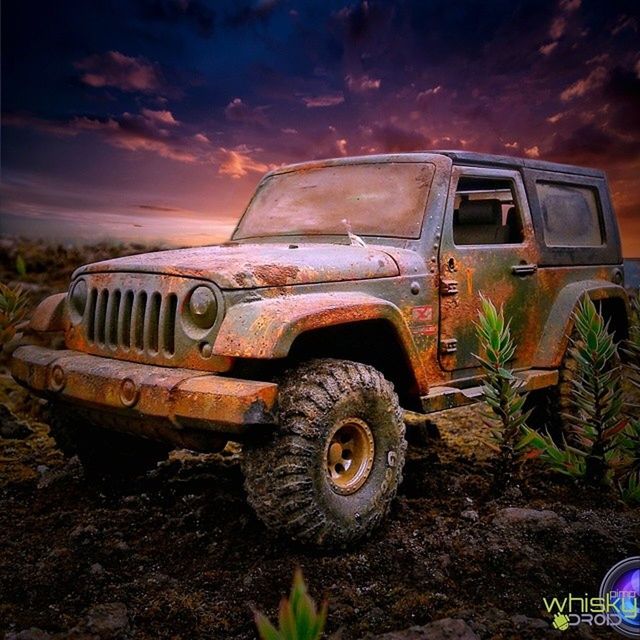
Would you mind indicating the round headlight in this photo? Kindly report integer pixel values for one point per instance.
(203, 307)
(78, 299)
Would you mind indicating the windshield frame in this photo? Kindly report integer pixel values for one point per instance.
(418, 159)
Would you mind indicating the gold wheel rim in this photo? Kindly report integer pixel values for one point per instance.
(349, 455)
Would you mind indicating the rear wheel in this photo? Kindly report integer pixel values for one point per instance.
(329, 473)
(550, 407)
(105, 455)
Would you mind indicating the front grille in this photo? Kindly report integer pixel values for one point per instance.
(132, 320)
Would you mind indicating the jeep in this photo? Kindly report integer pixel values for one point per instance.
(343, 304)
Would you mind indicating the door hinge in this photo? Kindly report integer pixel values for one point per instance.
(448, 287)
(450, 345)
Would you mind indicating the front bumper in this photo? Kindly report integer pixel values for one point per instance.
(181, 406)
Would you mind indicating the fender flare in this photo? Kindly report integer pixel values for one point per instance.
(51, 315)
(559, 324)
(267, 328)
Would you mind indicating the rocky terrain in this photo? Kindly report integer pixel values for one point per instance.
(179, 554)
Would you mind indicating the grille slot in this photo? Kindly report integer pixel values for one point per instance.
(143, 321)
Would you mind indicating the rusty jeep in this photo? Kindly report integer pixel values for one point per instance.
(343, 305)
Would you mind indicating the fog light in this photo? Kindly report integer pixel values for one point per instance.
(58, 378)
(128, 392)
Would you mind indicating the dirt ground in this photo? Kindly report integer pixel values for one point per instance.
(179, 554)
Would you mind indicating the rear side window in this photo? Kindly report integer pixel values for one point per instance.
(571, 215)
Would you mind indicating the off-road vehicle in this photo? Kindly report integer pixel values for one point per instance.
(345, 298)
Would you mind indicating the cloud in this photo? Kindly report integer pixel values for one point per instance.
(132, 132)
(546, 49)
(424, 97)
(25, 121)
(554, 119)
(239, 111)
(532, 152)
(114, 69)
(160, 117)
(237, 162)
(624, 22)
(341, 146)
(557, 28)
(570, 5)
(391, 138)
(200, 137)
(326, 100)
(585, 85)
(361, 84)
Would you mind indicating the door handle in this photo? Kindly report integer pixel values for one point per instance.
(524, 269)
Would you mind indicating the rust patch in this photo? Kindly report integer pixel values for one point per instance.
(276, 275)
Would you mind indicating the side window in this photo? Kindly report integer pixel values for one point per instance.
(486, 212)
(571, 215)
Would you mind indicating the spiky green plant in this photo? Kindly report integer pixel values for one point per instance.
(597, 418)
(631, 349)
(14, 304)
(629, 481)
(502, 391)
(298, 618)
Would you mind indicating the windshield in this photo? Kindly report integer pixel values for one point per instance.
(381, 199)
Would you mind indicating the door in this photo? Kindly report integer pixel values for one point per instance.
(487, 248)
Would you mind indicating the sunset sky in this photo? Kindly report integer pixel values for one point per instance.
(154, 119)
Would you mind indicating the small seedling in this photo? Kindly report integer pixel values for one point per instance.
(298, 618)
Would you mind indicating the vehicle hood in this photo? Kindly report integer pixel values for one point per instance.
(244, 266)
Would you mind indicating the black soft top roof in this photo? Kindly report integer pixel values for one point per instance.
(484, 159)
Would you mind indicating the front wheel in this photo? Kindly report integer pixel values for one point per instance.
(329, 473)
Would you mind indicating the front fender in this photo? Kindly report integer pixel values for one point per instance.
(267, 328)
(560, 321)
(50, 315)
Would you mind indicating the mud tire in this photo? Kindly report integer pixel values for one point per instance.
(551, 406)
(107, 456)
(286, 479)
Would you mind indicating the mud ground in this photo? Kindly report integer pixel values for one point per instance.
(179, 554)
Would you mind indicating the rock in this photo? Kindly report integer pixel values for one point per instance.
(524, 622)
(28, 634)
(538, 519)
(470, 514)
(96, 569)
(445, 629)
(109, 620)
(51, 476)
(10, 426)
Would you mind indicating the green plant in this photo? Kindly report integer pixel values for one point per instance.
(631, 348)
(597, 418)
(13, 310)
(502, 391)
(298, 617)
(629, 482)
(21, 266)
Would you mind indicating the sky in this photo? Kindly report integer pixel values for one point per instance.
(155, 119)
